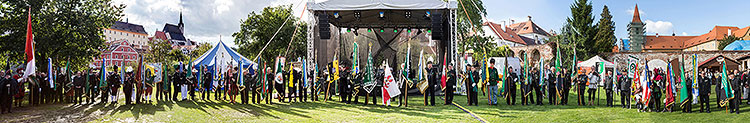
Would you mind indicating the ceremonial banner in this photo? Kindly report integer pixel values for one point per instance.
(304, 73)
(355, 58)
(725, 84)
(240, 74)
(369, 78)
(103, 74)
(646, 84)
(279, 69)
(683, 83)
(696, 89)
(614, 74)
(541, 71)
(336, 69)
(632, 65)
(390, 89)
(30, 60)
(443, 77)
(670, 86)
(50, 74)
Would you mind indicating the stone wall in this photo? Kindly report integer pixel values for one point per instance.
(669, 56)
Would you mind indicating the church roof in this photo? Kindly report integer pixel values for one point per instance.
(636, 15)
(528, 27)
(174, 32)
(125, 26)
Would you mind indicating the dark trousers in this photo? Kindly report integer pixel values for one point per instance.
(512, 99)
(90, 95)
(175, 90)
(552, 95)
(429, 93)
(138, 94)
(191, 89)
(104, 95)
(625, 98)
(449, 95)
(78, 95)
(302, 96)
(735, 106)
(280, 91)
(473, 98)
(5, 101)
(656, 100)
(592, 94)
(255, 97)
(704, 103)
(269, 94)
(688, 105)
(581, 95)
(206, 95)
(291, 94)
(524, 97)
(565, 94)
(610, 98)
(539, 96)
(244, 95)
(128, 94)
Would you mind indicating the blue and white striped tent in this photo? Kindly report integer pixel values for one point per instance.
(223, 56)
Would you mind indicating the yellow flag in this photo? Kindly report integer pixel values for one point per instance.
(291, 76)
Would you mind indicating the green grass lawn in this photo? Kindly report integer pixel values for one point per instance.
(334, 111)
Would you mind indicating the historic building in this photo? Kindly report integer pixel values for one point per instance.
(636, 32)
(640, 42)
(119, 52)
(175, 34)
(515, 34)
(133, 33)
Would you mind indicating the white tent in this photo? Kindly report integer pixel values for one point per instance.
(594, 60)
(657, 63)
(223, 56)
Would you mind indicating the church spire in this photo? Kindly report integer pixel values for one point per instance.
(636, 15)
(181, 25)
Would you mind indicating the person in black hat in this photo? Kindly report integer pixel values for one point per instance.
(114, 84)
(127, 88)
(472, 77)
(451, 81)
(6, 92)
(431, 83)
(207, 81)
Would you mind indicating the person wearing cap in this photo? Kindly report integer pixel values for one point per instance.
(552, 80)
(177, 78)
(127, 88)
(493, 80)
(207, 81)
(92, 86)
(449, 85)
(269, 85)
(248, 86)
(510, 86)
(431, 83)
(472, 77)
(114, 84)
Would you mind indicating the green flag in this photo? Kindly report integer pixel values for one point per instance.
(684, 92)
(725, 83)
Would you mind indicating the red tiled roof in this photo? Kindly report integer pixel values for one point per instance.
(636, 15)
(665, 42)
(160, 35)
(741, 33)
(528, 27)
(505, 34)
(717, 33)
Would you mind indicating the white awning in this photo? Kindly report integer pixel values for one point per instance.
(381, 4)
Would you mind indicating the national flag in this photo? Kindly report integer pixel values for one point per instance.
(49, 71)
(443, 77)
(355, 58)
(419, 66)
(602, 70)
(291, 76)
(335, 69)
(304, 73)
(696, 89)
(541, 72)
(406, 61)
(646, 83)
(279, 67)
(684, 92)
(30, 61)
(558, 62)
(670, 86)
(390, 87)
(725, 84)
(103, 74)
(240, 73)
(614, 74)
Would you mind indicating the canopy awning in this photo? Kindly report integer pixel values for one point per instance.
(380, 4)
(595, 60)
(738, 45)
(223, 56)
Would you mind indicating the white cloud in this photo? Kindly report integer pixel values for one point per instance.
(631, 11)
(684, 34)
(662, 27)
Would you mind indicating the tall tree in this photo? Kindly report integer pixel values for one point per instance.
(726, 41)
(258, 28)
(605, 34)
(582, 28)
(63, 29)
(469, 17)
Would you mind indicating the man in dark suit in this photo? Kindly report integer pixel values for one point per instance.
(449, 85)
(431, 83)
(704, 91)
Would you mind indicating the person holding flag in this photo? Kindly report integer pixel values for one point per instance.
(493, 79)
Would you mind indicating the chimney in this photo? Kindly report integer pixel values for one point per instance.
(657, 34)
(512, 21)
(529, 17)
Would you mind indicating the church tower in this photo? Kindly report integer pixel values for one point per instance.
(636, 32)
(181, 25)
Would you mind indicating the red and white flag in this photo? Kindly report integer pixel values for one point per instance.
(390, 87)
(443, 76)
(30, 62)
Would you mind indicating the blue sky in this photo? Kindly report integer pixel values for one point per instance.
(208, 20)
(683, 17)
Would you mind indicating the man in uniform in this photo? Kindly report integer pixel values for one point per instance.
(608, 88)
(431, 82)
(301, 89)
(538, 87)
(269, 85)
(688, 103)
(5, 92)
(510, 86)
(92, 86)
(176, 82)
(449, 85)
(625, 84)
(737, 90)
(114, 84)
(207, 81)
(705, 91)
(343, 83)
(552, 90)
(128, 87)
(78, 83)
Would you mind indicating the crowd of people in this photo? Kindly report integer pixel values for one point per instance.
(291, 86)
